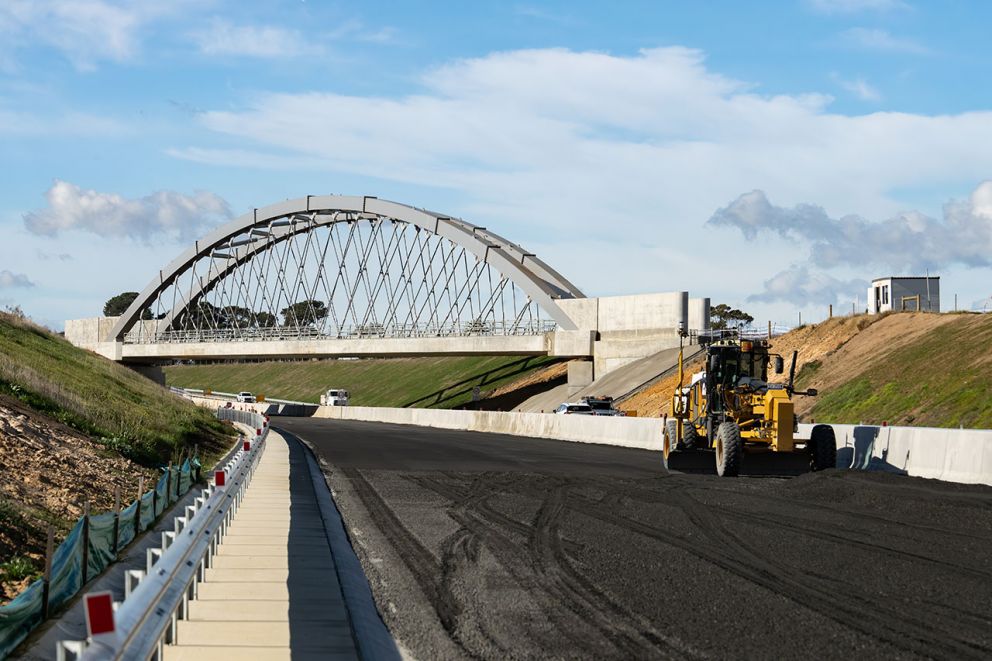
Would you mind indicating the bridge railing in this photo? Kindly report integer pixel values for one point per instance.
(256, 334)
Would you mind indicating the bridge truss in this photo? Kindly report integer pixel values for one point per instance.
(334, 267)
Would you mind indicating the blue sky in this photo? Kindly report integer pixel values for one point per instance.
(774, 155)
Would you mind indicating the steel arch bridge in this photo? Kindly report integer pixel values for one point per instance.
(340, 267)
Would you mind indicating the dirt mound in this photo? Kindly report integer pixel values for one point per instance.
(656, 400)
(47, 472)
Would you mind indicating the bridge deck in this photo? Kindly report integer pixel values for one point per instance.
(272, 592)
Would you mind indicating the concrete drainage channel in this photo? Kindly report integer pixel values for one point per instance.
(247, 572)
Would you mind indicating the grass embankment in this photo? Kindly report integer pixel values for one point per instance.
(75, 427)
(129, 414)
(436, 382)
(940, 378)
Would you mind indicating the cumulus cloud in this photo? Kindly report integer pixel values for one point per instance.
(910, 241)
(881, 40)
(9, 279)
(223, 38)
(111, 215)
(801, 287)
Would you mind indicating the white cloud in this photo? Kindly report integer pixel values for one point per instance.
(8, 279)
(910, 240)
(223, 38)
(855, 6)
(801, 287)
(860, 88)
(85, 31)
(546, 144)
(881, 40)
(110, 215)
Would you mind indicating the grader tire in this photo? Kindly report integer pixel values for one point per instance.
(669, 442)
(690, 437)
(822, 448)
(729, 449)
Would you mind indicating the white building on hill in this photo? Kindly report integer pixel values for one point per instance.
(904, 293)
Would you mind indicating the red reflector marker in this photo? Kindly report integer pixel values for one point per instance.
(99, 613)
(220, 478)
(247, 446)
(258, 432)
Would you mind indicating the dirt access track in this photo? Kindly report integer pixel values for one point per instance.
(486, 546)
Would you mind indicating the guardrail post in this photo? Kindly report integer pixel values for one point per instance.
(137, 515)
(117, 517)
(86, 542)
(46, 586)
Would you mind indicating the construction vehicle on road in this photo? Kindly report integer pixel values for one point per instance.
(730, 417)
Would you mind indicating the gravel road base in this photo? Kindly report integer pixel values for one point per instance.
(481, 546)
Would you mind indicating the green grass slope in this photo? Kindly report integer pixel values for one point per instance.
(435, 382)
(128, 413)
(943, 378)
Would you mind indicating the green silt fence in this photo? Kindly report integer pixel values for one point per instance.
(89, 548)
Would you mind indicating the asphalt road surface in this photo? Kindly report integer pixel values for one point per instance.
(488, 546)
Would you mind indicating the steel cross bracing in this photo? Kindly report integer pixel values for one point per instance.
(337, 275)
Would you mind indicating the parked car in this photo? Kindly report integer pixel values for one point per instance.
(571, 408)
(601, 405)
(246, 397)
(334, 397)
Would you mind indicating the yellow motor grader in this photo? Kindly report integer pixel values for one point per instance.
(730, 417)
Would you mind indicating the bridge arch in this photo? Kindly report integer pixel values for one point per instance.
(400, 271)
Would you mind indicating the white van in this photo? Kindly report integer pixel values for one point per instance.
(334, 397)
(246, 397)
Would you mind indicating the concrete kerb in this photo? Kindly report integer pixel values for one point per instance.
(369, 631)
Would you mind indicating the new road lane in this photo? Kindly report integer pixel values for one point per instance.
(479, 545)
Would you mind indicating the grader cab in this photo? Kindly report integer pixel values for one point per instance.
(732, 417)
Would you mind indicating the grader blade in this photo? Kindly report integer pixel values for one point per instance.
(754, 464)
(775, 464)
(691, 461)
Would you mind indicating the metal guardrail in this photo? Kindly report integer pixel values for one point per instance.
(157, 598)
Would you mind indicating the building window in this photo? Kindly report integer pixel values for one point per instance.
(885, 294)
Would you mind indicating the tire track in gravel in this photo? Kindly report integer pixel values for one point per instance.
(853, 610)
(824, 530)
(568, 592)
(421, 563)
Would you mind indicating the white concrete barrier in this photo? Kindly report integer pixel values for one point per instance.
(952, 455)
(642, 433)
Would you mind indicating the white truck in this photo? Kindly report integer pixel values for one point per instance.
(334, 397)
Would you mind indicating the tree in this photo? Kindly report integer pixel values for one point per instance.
(266, 320)
(304, 313)
(119, 304)
(723, 316)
